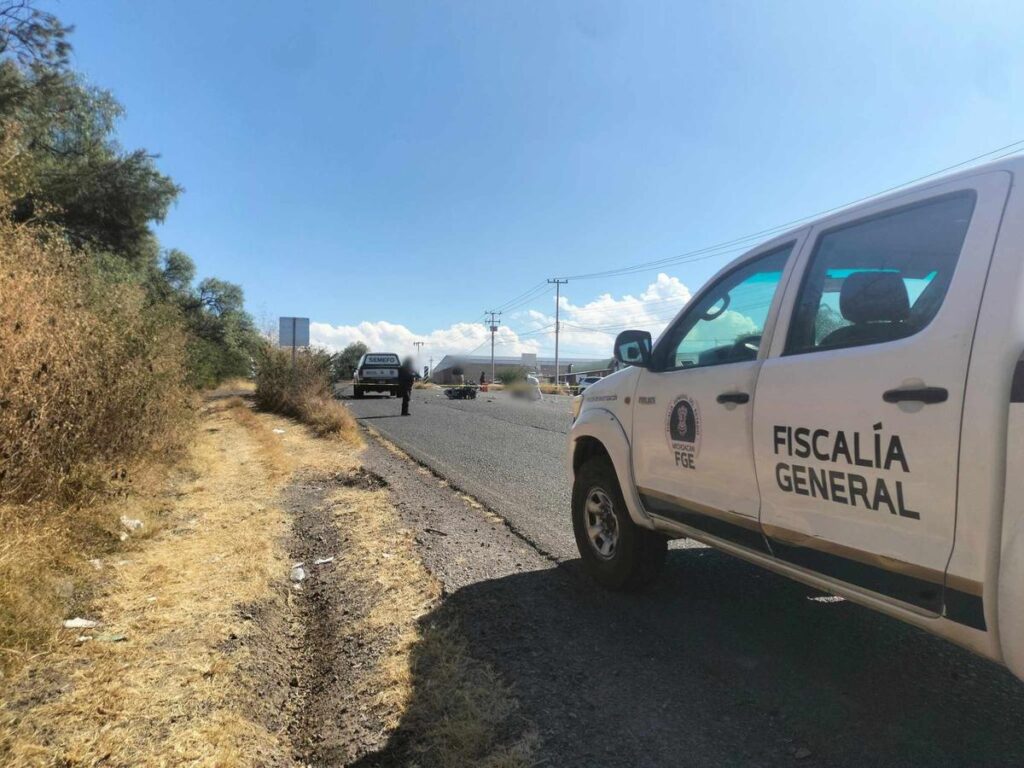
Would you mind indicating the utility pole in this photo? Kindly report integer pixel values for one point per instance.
(559, 282)
(492, 323)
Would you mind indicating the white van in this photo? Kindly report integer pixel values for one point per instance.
(843, 405)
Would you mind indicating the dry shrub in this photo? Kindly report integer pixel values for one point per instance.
(91, 375)
(91, 394)
(302, 390)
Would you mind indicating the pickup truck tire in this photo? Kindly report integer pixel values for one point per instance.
(616, 552)
(357, 392)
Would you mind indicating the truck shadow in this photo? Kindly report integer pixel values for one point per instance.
(720, 663)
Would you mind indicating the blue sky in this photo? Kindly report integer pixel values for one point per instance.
(393, 169)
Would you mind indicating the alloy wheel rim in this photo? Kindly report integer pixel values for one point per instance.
(601, 523)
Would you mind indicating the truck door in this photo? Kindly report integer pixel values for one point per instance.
(857, 413)
(692, 440)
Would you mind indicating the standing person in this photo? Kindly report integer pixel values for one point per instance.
(405, 384)
(483, 379)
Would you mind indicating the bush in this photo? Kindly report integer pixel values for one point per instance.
(303, 391)
(92, 389)
(92, 374)
(510, 376)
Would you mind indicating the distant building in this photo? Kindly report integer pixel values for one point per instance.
(544, 367)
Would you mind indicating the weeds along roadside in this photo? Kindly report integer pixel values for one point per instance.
(93, 401)
(201, 674)
(160, 680)
(300, 387)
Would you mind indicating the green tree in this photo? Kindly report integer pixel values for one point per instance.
(33, 38)
(74, 174)
(343, 364)
(62, 163)
(178, 272)
(62, 170)
(510, 376)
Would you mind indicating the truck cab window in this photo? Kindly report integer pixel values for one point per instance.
(726, 323)
(880, 279)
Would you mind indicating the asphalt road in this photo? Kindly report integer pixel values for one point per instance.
(719, 663)
(507, 453)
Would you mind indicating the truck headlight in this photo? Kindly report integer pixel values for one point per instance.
(577, 406)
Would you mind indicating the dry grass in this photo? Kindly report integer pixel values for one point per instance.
(91, 375)
(235, 385)
(92, 401)
(36, 580)
(553, 389)
(168, 693)
(329, 418)
(171, 693)
(451, 710)
(462, 712)
(302, 390)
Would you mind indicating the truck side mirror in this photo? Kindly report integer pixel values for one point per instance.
(634, 348)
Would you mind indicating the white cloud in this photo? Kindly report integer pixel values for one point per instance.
(587, 329)
(382, 336)
(590, 329)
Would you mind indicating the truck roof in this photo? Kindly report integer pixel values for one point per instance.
(1012, 165)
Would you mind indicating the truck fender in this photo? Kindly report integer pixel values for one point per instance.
(598, 430)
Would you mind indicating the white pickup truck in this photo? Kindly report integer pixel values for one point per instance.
(376, 372)
(843, 405)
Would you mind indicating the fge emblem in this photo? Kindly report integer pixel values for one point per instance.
(684, 431)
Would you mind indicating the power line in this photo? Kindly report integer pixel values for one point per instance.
(527, 295)
(531, 298)
(779, 227)
(734, 245)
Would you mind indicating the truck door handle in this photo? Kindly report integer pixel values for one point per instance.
(927, 395)
(734, 397)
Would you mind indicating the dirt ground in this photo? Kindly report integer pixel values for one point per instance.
(422, 630)
(272, 614)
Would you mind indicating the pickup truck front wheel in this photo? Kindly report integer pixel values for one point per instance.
(616, 552)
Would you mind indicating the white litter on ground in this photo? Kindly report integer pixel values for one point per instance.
(79, 623)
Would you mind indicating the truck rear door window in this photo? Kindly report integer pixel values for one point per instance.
(880, 279)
